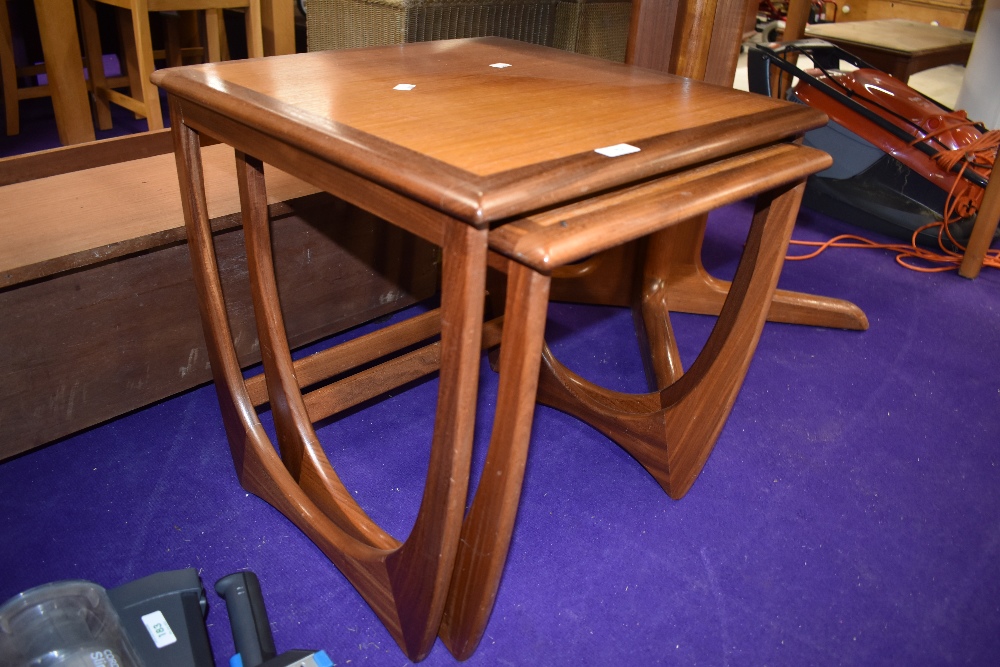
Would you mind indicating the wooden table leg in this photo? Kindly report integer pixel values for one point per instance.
(672, 277)
(487, 529)
(674, 273)
(405, 583)
(144, 52)
(983, 231)
(672, 432)
(64, 68)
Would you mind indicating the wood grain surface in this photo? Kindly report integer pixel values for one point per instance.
(909, 37)
(478, 142)
(87, 210)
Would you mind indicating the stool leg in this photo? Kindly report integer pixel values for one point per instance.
(144, 55)
(130, 57)
(172, 47)
(66, 85)
(213, 28)
(95, 63)
(8, 73)
(255, 37)
(487, 529)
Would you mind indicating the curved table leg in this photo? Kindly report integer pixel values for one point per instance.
(300, 449)
(487, 529)
(405, 584)
(689, 288)
(675, 278)
(672, 432)
(982, 232)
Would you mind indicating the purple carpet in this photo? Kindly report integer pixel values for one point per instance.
(850, 514)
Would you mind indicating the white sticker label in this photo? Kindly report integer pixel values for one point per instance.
(617, 149)
(159, 629)
(500, 65)
(404, 86)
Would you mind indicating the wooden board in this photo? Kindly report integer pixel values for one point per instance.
(90, 344)
(69, 220)
(96, 290)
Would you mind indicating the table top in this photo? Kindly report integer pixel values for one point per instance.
(486, 128)
(899, 35)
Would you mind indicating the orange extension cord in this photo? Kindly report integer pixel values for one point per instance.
(933, 261)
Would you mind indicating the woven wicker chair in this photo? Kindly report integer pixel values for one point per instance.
(593, 28)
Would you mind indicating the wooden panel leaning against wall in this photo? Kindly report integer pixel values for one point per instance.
(100, 315)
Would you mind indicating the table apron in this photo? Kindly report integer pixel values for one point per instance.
(400, 210)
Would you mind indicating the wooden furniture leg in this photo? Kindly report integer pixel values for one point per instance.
(255, 41)
(405, 583)
(92, 45)
(698, 39)
(172, 47)
(133, 20)
(670, 432)
(150, 104)
(688, 287)
(982, 231)
(138, 46)
(489, 525)
(214, 32)
(674, 277)
(278, 27)
(64, 67)
(130, 56)
(8, 73)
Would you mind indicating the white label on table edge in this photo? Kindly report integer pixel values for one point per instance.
(500, 65)
(617, 150)
(404, 86)
(158, 628)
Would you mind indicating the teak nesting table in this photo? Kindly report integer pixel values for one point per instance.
(502, 153)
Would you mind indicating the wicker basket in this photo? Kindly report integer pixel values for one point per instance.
(594, 28)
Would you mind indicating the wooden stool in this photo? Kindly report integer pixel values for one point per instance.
(66, 87)
(144, 99)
